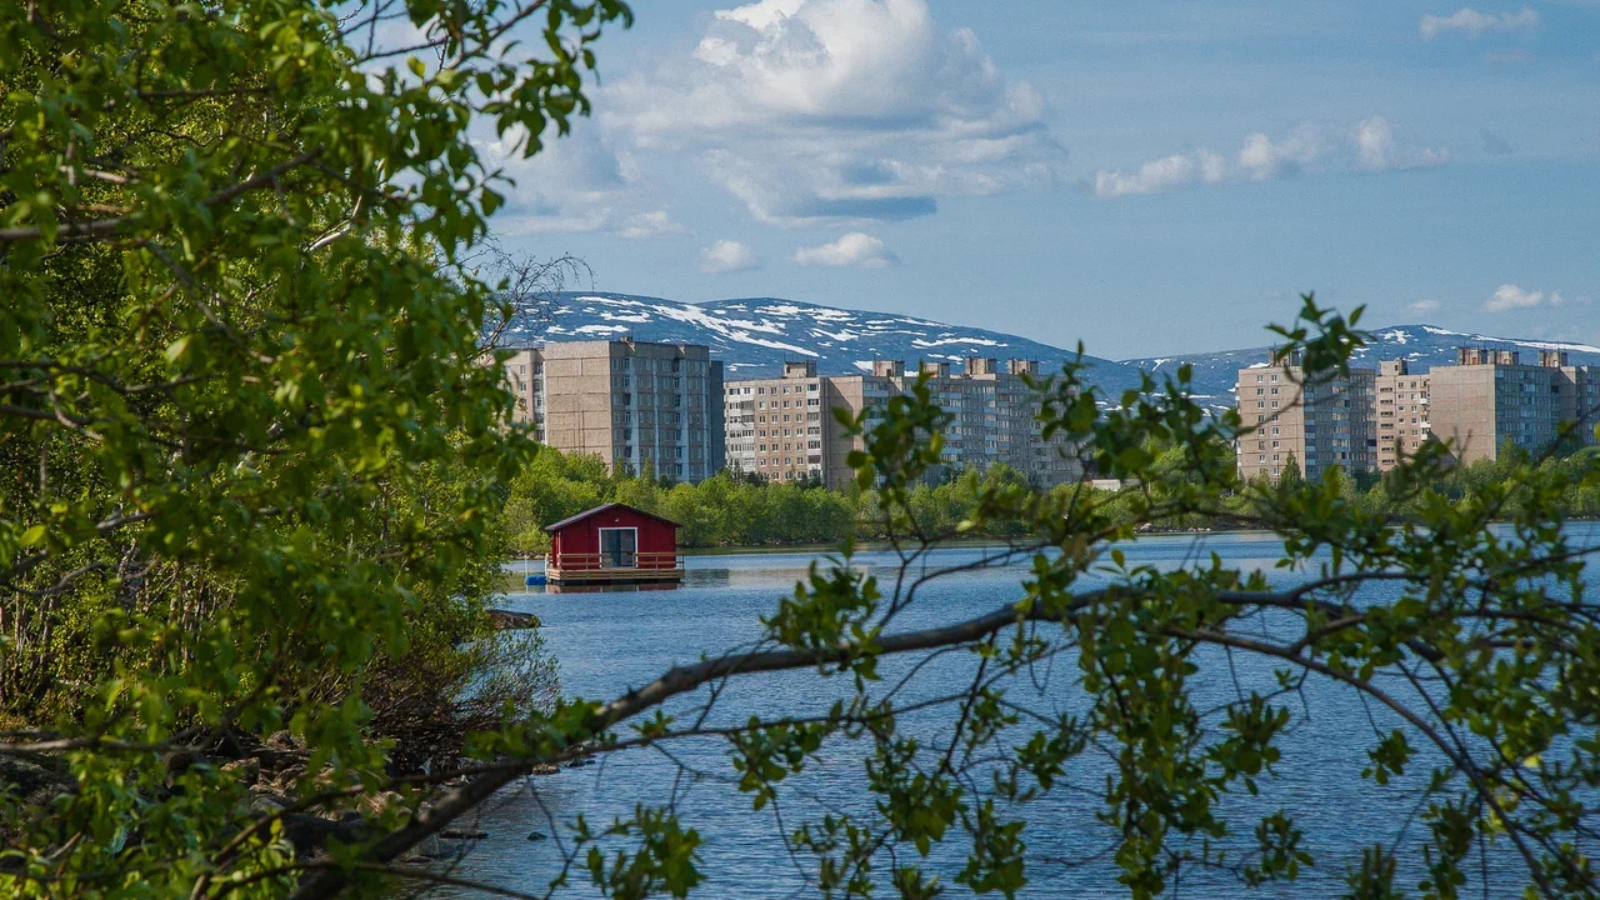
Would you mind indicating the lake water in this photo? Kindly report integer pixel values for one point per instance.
(607, 642)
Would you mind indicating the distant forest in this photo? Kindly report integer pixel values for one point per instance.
(731, 510)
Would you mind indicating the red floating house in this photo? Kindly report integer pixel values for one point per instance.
(613, 544)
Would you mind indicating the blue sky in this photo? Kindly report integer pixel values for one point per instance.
(1146, 177)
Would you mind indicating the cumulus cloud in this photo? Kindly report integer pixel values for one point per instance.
(1475, 24)
(854, 249)
(1262, 158)
(572, 184)
(1154, 177)
(837, 111)
(1377, 151)
(728, 256)
(1509, 296)
(1424, 307)
(655, 224)
(1371, 146)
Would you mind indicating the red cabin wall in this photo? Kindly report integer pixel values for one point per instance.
(583, 536)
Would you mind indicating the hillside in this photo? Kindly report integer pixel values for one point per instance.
(754, 336)
(1422, 346)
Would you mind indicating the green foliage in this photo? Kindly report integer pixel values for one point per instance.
(252, 452)
(729, 511)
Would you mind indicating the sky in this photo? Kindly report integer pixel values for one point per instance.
(1146, 177)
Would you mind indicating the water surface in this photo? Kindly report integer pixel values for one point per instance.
(609, 642)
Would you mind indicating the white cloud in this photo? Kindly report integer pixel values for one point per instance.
(1509, 296)
(1370, 146)
(1376, 150)
(1424, 307)
(1154, 177)
(655, 224)
(540, 218)
(854, 249)
(1475, 24)
(836, 111)
(571, 185)
(728, 256)
(1262, 159)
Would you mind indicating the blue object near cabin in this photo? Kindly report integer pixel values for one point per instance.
(534, 580)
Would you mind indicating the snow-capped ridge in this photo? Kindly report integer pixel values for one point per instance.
(755, 336)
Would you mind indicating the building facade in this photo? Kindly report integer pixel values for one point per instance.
(1491, 399)
(1314, 427)
(1401, 414)
(638, 406)
(993, 419)
(778, 427)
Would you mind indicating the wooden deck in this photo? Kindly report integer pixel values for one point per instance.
(596, 568)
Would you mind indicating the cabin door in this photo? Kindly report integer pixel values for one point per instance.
(619, 548)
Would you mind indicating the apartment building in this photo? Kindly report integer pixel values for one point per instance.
(1316, 426)
(636, 405)
(1580, 399)
(1401, 412)
(778, 427)
(1491, 399)
(855, 394)
(992, 420)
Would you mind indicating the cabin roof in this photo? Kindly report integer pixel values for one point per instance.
(608, 507)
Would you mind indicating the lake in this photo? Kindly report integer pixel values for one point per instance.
(607, 642)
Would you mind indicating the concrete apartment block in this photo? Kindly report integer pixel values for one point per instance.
(1320, 425)
(992, 420)
(523, 370)
(635, 404)
(1580, 400)
(1401, 412)
(854, 394)
(1491, 398)
(778, 427)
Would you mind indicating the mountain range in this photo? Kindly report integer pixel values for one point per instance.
(754, 336)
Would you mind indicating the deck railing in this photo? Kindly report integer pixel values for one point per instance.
(605, 562)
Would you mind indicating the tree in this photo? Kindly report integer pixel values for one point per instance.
(252, 450)
(1292, 478)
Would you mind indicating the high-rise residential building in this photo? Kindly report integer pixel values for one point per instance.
(1580, 399)
(636, 405)
(1491, 399)
(1317, 426)
(993, 419)
(778, 427)
(855, 394)
(1400, 415)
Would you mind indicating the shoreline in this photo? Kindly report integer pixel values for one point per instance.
(520, 564)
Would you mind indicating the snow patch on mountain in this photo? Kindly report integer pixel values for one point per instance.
(755, 336)
(947, 341)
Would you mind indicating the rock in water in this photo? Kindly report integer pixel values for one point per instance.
(506, 620)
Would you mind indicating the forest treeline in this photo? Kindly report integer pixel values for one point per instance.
(733, 510)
